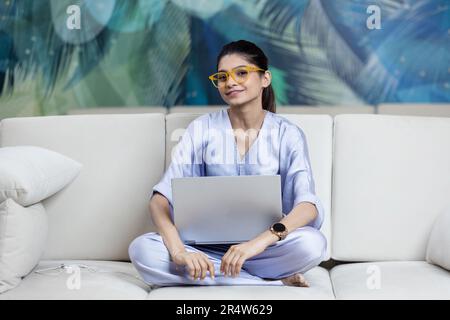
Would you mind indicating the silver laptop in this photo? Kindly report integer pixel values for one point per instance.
(225, 209)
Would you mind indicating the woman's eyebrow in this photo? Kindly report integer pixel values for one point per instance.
(222, 70)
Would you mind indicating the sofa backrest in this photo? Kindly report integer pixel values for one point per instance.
(391, 178)
(318, 130)
(176, 123)
(106, 206)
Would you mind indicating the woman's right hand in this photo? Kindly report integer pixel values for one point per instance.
(197, 264)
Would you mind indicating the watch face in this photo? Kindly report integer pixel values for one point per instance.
(279, 227)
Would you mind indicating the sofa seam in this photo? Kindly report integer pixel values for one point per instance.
(332, 284)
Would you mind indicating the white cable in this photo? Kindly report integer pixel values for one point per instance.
(92, 269)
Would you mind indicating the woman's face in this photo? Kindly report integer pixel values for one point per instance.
(234, 93)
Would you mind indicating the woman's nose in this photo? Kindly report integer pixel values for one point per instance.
(230, 83)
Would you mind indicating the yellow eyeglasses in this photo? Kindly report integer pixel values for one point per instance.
(239, 74)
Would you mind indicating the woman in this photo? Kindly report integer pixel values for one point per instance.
(260, 142)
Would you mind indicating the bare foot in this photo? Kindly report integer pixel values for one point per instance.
(296, 280)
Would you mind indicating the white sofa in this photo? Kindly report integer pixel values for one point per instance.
(382, 179)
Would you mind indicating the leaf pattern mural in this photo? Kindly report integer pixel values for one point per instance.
(160, 52)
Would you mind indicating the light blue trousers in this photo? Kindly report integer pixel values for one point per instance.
(302, 250)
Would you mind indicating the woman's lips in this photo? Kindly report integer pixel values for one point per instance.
(234, 93)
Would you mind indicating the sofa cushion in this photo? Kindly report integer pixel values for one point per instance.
(23, 233)
(318, 130)
(391, 180)
(390, 280)
(438, 250)
(318, 278)
(106, 207)
(104, 280)
(29, 174)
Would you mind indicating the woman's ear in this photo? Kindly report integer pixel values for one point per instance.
(267, 79)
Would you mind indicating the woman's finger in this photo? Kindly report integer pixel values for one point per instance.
(210, 268)
(224, 262)
(204, 267)
(191, 268)
(228, 264)
(239, 265)
(197, 269)
(233, 269)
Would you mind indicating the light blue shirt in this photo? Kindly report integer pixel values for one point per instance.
(208, 148)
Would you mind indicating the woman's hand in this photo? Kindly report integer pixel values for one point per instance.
(197, 264)
(234, 258)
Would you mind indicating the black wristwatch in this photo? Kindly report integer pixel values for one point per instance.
(280, 230)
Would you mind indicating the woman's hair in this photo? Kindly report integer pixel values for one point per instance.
(253, 54)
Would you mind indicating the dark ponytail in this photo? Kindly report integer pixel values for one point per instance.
(268, 99)
(253, 54)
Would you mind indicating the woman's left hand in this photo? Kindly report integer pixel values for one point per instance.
(234, 258)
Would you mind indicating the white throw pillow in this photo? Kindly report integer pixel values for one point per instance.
(23, 235)
(438, 250)
(29, 174)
